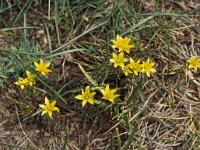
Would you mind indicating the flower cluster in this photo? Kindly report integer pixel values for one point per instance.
(87, 95)
(120, 59)
(30, 79)
(130, 66)
(41, 68)
(194, 63)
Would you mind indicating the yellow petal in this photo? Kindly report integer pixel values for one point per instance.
(50, 113)
(114, 55)
(107, 87)
(30, 83)
(118, 37)
(48, 70)
(83, 103)
(91, 101)
(53, 103)
(42, 106)
(82, 91)
(43, 73)
(195, 69)
(43, 112)
(55, 109)
(114, 90)
(28, 73)
(87, 89)
(112, 101)
(37, 69)
(153, 70)
(36, 64)
(121, 55)
(47, 65)
(22, 87)
(80, 97)
(92, 94)
(102, 91)
(41, 62)
(47, 102)
(148, 74)
(135, 72)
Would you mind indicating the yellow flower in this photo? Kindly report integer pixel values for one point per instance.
(122, 44)
(30, 77)
(118, 60)
(147, 67)
(194, 63)
(109, 94)
(136, 67)
(49, 107)
(86, 96)
(22, 82)
(126, 69)
(41, 67)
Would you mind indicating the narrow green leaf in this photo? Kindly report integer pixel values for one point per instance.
(87, 76)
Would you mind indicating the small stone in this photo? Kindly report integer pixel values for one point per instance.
(46, 134)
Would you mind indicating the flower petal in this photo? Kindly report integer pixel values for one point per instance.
(47, 65)
(47, 102)
(50, 113)
(55, 109)
(41, 62)
(42, 106)
(53, 103)
(36, 64)
(43, 112)
(84, 102)
(91, 101)
(80, 97)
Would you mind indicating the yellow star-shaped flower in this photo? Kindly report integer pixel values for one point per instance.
(194, 63)
(122, 44)
(135, 66)
(22, 82)
(86, 96)
(109, 94)
(126, 69)
(41, 67)
(118, 60)
(30, 77)
(49, 107)
(147, 67)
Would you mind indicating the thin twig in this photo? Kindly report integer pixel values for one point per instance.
(24, 131)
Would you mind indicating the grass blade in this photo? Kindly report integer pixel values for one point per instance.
(87, 76)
